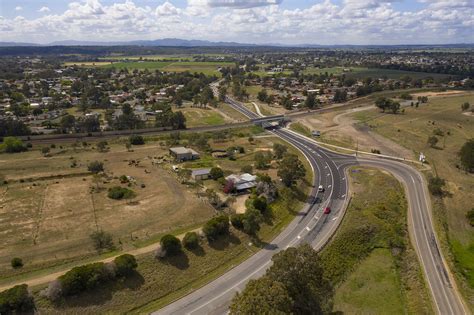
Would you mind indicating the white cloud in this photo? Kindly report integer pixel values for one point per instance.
(167, 9)
(44, 10)
(18, 8)
(242, 3)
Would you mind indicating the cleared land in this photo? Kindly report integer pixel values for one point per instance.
(202, 117)
(371, 260)
(411, 130)
(49, 209)
(159, 281)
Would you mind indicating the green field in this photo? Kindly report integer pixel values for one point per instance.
(359, 72)
(412, 130)
(370, 260)
(201, 117)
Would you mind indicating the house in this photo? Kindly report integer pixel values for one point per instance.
(243, 182)
(184, 154)
(201, 174)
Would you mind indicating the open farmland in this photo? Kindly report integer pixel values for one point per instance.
(411, 130)
(49, 208)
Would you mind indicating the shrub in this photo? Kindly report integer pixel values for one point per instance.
(136, 140)
(17, 262)
(191, 240)
(95, 167)
(16, 300)
(170, 244)
(260, 203)
(237, 220)
(54, 291)
(247, 169)
(119, 193)
(82, 278)
(216, 227)
(216, 173)
(467, 155)
(435, 186)
(125, 265)
(45, 150)
(102, 240)
(470, 216)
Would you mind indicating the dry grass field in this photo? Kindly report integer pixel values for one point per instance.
(411, 130)
(47, 220)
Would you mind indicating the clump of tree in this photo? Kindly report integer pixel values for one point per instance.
(102, 240)
(311, 101)
(90, 276)
(290, 169)
(136, 140)
(387, 104)
(170, 244)
(294, 284)
(16, 300)
(119, 193)
(10, 127)
(12, 145)
(466, 155)
(262, 160)
(216, 227)
(95, 167)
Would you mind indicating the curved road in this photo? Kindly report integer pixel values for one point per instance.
(314, 227)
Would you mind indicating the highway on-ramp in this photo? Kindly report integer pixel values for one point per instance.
(314, 227)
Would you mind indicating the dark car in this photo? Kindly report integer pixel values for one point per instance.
(327, 210)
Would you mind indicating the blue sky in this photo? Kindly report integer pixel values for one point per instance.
(250, 21)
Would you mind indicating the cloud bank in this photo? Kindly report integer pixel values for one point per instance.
(251, 21)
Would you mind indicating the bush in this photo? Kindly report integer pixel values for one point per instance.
(125, 265)
(170, 244)
(247, 169)
(435, 186)
(237, 220)
(470, 216)
(16, 300)
(12, 145)
(191, 240)
(17, 263)
(83, 278)
(102, 240)
(119, 193)
(95, 167)
(260, 203)
(216, 173)
(136, 140)
(216, 227)
(467, 155)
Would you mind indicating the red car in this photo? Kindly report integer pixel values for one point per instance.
(327, 210)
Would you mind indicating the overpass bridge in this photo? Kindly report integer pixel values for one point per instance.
(269, 122)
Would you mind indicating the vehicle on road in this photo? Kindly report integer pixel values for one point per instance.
(327, 210)
(316, 133)
(320, 188)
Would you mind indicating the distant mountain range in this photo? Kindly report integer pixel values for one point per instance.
(176, 42)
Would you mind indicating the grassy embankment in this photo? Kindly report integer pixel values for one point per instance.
(370, 260)
(412, 130)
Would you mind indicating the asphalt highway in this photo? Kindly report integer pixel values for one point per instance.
(314, 227)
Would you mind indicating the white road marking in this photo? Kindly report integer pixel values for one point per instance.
(307, 228)
(329, 186)
(299, 236)
(343, 196)
(334, 219)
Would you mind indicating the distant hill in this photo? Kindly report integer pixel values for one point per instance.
(177, 42)
(165, 42)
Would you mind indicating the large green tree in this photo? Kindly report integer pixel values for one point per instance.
(299, 270)
(262, 296)
(467, 155)
(290, 169)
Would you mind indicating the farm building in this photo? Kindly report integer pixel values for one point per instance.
(243, 182)
(184, 154)
(201, 174)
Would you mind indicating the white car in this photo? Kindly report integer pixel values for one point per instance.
(321, 188)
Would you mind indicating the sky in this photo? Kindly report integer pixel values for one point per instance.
(326, 22)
